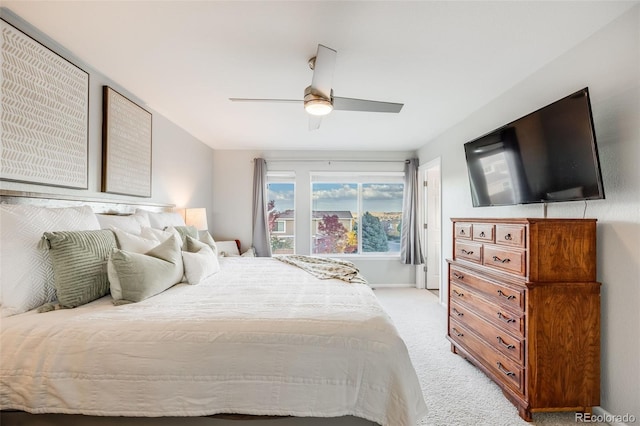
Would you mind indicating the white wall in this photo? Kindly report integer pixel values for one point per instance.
(181, 164)
(609, 64)
(233, 186)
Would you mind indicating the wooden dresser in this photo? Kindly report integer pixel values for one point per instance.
(524, 307)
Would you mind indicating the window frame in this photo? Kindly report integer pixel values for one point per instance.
(359, 179)
(284, 177)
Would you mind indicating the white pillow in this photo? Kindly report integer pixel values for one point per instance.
(227, 248)
(162, 220)
(26, 277)
(135, 243)
(200, 265)
(158, 234)
(205, 237)
(131, 223)
(249, 253)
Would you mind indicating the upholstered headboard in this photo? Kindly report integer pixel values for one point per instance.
(99, 205)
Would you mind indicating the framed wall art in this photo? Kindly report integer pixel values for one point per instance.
(44, 114)
(126, 146)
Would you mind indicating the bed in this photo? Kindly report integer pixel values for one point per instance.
(259, 337)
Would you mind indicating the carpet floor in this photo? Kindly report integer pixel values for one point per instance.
(456, 392)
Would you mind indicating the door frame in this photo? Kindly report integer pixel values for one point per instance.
(424, 213)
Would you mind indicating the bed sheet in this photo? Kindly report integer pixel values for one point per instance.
(260, 337)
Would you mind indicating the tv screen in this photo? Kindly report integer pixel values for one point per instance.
(549, 155)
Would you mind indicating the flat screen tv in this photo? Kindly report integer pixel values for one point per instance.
(547, 156)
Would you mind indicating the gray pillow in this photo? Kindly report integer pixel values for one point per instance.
(79, 260)
(144, 275)
(184, 232)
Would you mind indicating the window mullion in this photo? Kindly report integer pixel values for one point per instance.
(360, 218)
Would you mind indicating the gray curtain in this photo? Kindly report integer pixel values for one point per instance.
(410, 248)
(260, 218)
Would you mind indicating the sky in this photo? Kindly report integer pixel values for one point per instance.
(338, 196)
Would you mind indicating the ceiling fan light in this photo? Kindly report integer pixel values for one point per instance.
(318, 106)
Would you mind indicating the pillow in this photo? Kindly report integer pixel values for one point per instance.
(199, 261)
(249, 253)
(135, 243)
(227, 248)
(147, 240)
(158, 234)
(26, 277)
(141, 276)
(184, 231)
(130, 223)
(162, 220)
(79, 261)
(205, 237)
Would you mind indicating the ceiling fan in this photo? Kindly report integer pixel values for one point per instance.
(318, 98)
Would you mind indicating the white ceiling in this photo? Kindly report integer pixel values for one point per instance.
(443, 60)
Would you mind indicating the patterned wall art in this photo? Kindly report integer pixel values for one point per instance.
(126, 146)
(44, 114)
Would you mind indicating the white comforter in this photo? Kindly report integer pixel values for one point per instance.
(260, 337)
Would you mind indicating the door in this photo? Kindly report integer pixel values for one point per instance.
(429, 275)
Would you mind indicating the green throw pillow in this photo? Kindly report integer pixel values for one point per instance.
(144, 275)
(184, 231)
(79, 260)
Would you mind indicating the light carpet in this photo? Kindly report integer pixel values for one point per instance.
(456, 392)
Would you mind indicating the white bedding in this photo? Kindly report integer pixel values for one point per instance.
(260, 337)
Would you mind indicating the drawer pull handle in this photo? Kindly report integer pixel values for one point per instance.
(458, 276)
(509, 297)
(497, 259)
(462, 232)
(458, 313)
(508, 237)
(456, 332)
(482, 234)
(505, 344)
(505, 371)
(505, 318)
(467, 252)
(457, 293)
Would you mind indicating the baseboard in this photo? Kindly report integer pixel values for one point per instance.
(603, 416)
(394, 285)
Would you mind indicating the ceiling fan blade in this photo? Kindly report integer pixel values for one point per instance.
(314, 122)
(266, 100)
(325, 63)
(350, 104)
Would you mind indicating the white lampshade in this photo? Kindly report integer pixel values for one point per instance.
(196, 217)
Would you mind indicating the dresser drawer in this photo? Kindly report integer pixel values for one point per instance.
(505, 369)
(513, 322)
(493, 336)
(482, 232)
(510, 235)
(463, 230)
(468, 251)
(504, 259)
(500, 294)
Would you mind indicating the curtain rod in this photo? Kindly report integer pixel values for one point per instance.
(309, 160)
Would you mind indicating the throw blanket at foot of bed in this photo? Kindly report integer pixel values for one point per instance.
(325, 268)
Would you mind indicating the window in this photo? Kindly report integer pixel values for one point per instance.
(279, 227)
(356, 214)
(281, 208)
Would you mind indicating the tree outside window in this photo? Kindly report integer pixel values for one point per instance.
(281, 217)
(352, 218)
